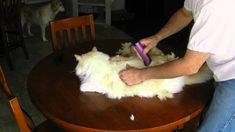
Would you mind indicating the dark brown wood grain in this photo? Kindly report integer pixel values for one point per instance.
(54, 89)
(67, 32)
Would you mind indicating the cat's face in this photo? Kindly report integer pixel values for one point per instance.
(90, 62)
(57, 5)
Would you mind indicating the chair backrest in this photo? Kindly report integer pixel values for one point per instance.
(11, 36)
(20, 116)
(6, 89)
(10, 13)
(23, 120)
(69, 31)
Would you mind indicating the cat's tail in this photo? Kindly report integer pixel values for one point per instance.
(203, 75)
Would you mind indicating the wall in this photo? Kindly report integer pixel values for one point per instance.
(34, 1)
(118, 5)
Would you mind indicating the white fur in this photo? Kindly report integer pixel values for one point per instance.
(127, 50)
(40, 16)
(99, 73)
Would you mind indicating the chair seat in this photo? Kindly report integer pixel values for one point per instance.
(47, 126)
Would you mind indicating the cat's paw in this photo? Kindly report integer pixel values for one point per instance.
(45, 40)
(30, 34)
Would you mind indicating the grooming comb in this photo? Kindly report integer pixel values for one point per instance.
(140, 52)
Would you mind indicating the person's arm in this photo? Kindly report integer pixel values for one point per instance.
(177, 22)
(188, 65)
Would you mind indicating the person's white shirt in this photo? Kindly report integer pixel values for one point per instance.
(214, 32)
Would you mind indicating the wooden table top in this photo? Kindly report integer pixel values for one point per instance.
(54, 89)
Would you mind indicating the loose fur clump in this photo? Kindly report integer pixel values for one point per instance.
(40, 16)
(127, 50)
(100, 73)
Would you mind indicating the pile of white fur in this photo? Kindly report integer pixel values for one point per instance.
(100, 73)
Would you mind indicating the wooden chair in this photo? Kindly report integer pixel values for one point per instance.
(23, 120)
(67, 32)
(10, 25)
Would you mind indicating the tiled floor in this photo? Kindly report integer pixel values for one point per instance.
(18, 77)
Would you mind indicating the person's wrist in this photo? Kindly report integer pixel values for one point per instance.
(157, 37)
(143, 74)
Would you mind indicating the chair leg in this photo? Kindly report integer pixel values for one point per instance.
(8, 57)
(23, 44)
(24, 47)
(6, 51)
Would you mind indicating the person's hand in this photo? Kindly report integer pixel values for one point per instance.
(131, 75)
(150, 42)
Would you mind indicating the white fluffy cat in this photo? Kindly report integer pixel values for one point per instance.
(100, 73)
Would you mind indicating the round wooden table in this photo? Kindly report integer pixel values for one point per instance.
(54, 89)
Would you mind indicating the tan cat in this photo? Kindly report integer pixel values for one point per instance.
(41, 16)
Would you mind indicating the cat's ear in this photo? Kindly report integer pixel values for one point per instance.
(78, 57)
(94, 49)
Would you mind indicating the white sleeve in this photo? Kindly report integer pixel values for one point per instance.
(188, 4)
(205, 33)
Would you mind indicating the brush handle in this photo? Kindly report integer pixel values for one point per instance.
(140, 51)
